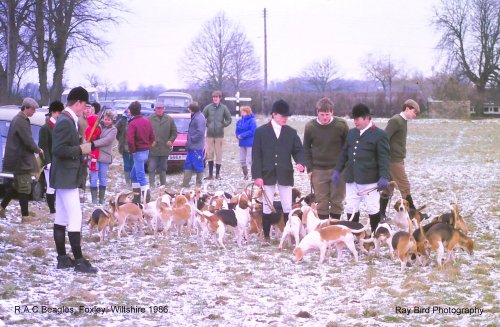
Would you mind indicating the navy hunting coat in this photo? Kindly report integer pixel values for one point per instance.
(272, 157)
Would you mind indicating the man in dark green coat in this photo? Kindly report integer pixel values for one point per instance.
(165, 132)
(218, 117)
(365, 163)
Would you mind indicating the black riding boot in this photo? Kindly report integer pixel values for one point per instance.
(266, 225)
(51, 202)
(355, 218)
(384, 200)
(374, 220)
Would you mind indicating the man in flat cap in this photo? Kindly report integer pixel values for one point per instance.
(274, 146)
(218, 117)
(397, 130)
(365, 163)
(19, 157)
(67, 174)
(165, 133)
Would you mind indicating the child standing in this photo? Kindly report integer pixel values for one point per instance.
(245, 131)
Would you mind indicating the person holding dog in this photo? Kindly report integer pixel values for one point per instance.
(45, 142)
(19, 157)
(397, 131)
(68, 173)
(274, 146)
(218, 117)
(324, 138)
(364, 160)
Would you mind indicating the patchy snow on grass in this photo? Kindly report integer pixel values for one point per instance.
(178, 281)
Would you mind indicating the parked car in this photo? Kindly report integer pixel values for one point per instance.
(179, 152)
(7, 113)
(119, 107)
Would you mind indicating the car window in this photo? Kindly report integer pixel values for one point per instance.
(182, 124)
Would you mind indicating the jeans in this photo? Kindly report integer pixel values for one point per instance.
(128, 161)
(138, 174)
(100, 174)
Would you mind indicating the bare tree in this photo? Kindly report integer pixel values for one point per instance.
(471, 38)
(63, 28)
(383, 70)
(13, 15)
(93, 80)
(320, 74)
(220, 56)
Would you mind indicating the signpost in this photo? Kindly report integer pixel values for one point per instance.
(238, 100)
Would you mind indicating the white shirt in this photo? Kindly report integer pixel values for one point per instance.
(73, 115)
(331, 119)
(276, 128)
(364, 129)
(403, 115)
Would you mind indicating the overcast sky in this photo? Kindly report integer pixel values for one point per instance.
(147, 47)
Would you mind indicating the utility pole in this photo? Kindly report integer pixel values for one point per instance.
(264, 98)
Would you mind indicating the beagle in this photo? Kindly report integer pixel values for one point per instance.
(322, 239)
(127, 211)
(403, 213)
(443, 236)
(104, 221)
(404, 245)
(454, 219)
(293, 228)
(383, 234)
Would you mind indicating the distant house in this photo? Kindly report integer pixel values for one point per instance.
(491, 105)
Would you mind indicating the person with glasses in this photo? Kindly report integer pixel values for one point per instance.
(218, 117)
(397, 130)
(19, 157)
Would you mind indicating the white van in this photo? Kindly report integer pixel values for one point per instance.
(175, 102)
(93, 95)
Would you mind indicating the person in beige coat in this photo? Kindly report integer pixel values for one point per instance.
(166, 132)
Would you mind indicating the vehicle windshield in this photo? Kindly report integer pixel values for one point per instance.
(182, 124)
(174, 102)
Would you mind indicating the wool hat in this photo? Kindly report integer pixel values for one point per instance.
(360, 110)
(412, 104)
(159, 104)
(281, 107)
(56, 106)
(29, 103)
(78, 93)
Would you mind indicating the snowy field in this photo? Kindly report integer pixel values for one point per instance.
(178, 282)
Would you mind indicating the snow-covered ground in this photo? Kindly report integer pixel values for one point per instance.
(259, 285)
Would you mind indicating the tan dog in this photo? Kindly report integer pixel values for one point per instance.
(454, 219)
(103, 219)
(443, 236)
(178, 215)
(126, 212)
(322, 239)
(403, 212)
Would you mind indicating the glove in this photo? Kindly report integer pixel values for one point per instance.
(382, 184)
(86, 148)
(336, 178)
(92, 146)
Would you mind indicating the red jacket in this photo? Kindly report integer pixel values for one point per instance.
(140, 134)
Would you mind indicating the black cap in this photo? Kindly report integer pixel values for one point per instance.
(56, 106)
(78, 93)
(281, 107)
(360, 110)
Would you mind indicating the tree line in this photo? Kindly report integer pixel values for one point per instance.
(41, 35)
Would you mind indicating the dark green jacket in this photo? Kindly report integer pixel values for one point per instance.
(396, 130)
(364, 159)
(217, 118)
(165, 130)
